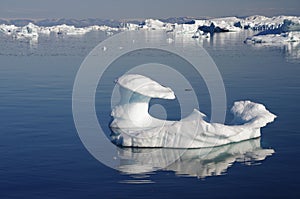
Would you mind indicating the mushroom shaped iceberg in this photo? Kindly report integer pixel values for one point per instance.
(133, 126)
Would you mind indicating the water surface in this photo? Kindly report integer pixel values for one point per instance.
(43, 157)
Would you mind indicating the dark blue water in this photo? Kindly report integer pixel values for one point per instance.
(43, 157)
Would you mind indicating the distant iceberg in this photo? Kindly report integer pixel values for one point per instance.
(195, 28)
(224, 24)
(32, 31)
(29, 31)
(133, 126)
(275, 38)
(285, 30)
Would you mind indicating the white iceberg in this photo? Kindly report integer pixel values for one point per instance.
(131, 26)
(68, 30)
(200, 27)
(28, 32)
(8, 29)
(282, 38)
(195, 28)
(133, 126)
(227, 23)
(32, 31)
(261, 23)
(154, 23)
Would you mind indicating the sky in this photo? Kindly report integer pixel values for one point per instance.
(139, 9)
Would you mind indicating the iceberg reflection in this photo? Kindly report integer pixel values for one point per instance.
(198, 163)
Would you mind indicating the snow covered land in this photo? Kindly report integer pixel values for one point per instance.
(279, 29)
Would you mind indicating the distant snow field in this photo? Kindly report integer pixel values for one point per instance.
(279, 29)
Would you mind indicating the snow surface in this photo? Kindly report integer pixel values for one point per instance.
(133, 126)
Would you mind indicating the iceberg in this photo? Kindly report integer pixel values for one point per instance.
(262, 23)
(195, 28)
(32, 31)
(205, 27)
(280, 30)
(133, 126)
(68, 30)
(154, 24)
(217, 25)
(8, 29)
(28, 32)
(282, 38)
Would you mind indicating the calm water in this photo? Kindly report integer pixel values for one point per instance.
(43, 157)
